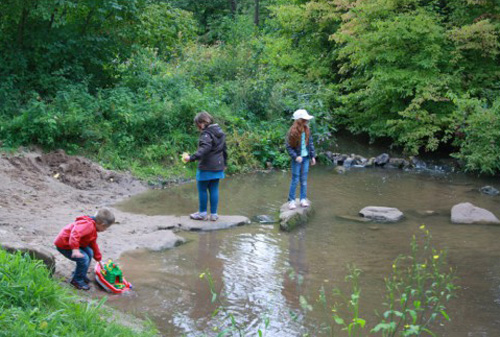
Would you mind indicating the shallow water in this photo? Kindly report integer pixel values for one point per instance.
(253, 264)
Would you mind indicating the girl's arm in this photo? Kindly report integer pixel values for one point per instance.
(224, 153)
(204, 146)
(312, 153)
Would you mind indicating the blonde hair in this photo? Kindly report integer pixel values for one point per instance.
(105, 216)
(203, 118)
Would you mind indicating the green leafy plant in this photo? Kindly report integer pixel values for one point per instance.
(417, 291)
(32, 303)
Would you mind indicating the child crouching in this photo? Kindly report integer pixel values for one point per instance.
(78, 242)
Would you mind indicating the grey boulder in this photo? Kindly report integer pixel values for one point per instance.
(381, 214)
(467, 213)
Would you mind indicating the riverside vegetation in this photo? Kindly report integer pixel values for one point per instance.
(120, 81)
(33, 303)
(416, 294)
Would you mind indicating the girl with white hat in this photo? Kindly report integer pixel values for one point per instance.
(300, 147)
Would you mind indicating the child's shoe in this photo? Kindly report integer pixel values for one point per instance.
(292, 205)
(214, 217)
(80, 285)
(199, 216)
(304, 203)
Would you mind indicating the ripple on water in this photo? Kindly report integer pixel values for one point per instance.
(252, 263)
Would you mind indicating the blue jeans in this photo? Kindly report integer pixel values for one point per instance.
(204, 187)
(82, 264)
(299, 173)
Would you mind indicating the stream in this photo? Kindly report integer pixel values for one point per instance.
(264, 272)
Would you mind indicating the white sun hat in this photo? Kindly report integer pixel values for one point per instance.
(302, 113)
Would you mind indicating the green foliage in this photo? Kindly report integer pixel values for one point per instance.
(32, 303)
(404, 59)
(166, 29)
(121, 80)
(477, 131)
(399, 60)
(299, 41)
(355, 325)
(417, 291)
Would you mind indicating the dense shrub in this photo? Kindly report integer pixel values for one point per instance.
(477, 135)
(128, 79)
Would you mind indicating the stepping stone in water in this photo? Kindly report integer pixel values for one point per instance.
(291, 218)
(467, 213)
(224, 221)
(381, 214)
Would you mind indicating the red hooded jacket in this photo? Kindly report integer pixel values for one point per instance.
(81, 233)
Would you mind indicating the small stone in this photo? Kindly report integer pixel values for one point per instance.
(426, 212)
(340, 169)
(489, 190)
(382, 159)
(348, 162)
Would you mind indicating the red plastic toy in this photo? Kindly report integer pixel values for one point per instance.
(110, 278)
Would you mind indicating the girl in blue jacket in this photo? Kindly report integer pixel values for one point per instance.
(299, 144)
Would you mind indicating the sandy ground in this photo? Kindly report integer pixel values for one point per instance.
(40, 193)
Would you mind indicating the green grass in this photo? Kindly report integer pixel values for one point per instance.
(34, 304)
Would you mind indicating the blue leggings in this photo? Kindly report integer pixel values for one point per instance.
(204, 187)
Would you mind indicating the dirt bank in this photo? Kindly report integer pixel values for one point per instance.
(40, 193)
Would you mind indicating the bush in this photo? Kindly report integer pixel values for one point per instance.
(477, 134)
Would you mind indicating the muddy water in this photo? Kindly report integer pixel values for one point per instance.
(264, 271)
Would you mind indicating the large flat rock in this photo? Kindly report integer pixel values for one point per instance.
(381, 214)
(467, 213)
(157, 241)
(224, 221)
(291, 218)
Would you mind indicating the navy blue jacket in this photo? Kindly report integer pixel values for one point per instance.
(294, 152)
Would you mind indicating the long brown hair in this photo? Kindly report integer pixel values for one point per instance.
(295, 132)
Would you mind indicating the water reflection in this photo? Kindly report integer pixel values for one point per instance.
(252, 264)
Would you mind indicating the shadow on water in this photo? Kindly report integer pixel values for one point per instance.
(252, 263)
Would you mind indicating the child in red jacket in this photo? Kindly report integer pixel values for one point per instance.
(78, 242)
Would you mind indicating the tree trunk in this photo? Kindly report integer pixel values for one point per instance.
(234, 7)
(256, 17)
(20, 29)
(52, 19)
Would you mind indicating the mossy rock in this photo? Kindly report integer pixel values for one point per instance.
(292, 218)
